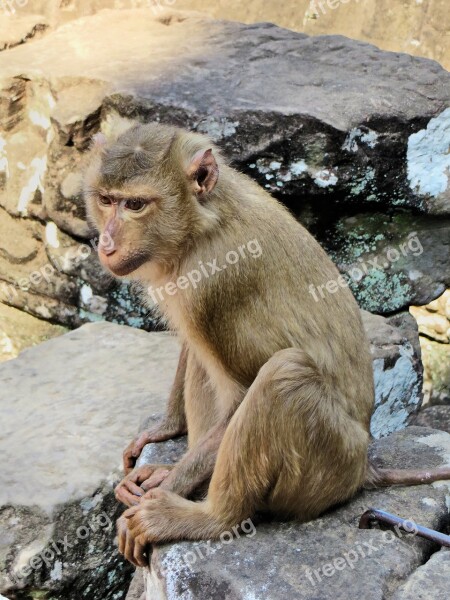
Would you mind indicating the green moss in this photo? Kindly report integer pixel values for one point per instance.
(392, 290)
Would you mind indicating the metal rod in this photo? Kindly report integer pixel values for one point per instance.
(374, 515)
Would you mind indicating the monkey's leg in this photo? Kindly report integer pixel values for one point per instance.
(196, 467)
(289, 448)
(200, 405)
(205, 432)
(172, 425)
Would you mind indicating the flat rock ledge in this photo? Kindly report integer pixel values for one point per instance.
(72, 405)
(329, 558)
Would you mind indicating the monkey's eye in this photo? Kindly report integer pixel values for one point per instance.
(135, 204)
(104, 200)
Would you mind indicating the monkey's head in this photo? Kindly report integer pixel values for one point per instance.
(147, 191)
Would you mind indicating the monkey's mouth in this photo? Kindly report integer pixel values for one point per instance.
(121, 266)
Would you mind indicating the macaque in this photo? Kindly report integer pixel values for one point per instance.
(274, 388)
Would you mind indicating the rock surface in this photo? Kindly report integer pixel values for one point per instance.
(429, 582)
(19, 331)
(340, 131)
(70, 406)
(397, 369)
(436, 361)
(329, 558)
(437, 417)
(434, 329)
(404, 27)
(434, 318)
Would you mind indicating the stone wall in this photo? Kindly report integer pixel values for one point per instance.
(341, 132)
(419, 28)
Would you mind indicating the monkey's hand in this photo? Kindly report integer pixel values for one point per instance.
(165, 430)
(134, 485)
(134, 550)
(153, 521)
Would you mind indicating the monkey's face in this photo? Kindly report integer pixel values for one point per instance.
(124, 243)
(142, 195)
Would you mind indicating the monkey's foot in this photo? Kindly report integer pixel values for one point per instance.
(165, 517)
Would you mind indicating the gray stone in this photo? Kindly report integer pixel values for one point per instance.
(137, 590)
(326, 558)
(437, 417)
(398, 371)
(429, 582)
(89, 389)
(70, 406)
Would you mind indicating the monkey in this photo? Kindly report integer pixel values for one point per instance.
(274, 388)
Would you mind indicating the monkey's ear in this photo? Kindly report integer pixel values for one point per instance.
(203, 172)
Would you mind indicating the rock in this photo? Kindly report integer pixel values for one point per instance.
(429, 582)
(326, 558)
(397, 371)
(73, 403)
(347, 149)
(436, 362)
(437, 417)
(434, 318)
(19, 331)
(18, 29)
(81, 400)
(431, 325)
(379, 22)
(390, 260)
(434, 326)
(137, 590)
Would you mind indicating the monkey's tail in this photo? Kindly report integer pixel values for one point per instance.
(377, 477)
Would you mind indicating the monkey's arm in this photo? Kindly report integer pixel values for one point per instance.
(172, 425)
(195, 467)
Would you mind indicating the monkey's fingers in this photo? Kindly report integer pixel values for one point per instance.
(128, 493)
(129, 548)
(140, 474)
(143, 439)
(121, 533)
(140, 555)
(128, 459)
(155, 480)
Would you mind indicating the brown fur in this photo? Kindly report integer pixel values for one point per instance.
(277, 388)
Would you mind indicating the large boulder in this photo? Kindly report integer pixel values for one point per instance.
(328, 558)
(69, 407)
(434, 329)
(339, 130)
(72, 404)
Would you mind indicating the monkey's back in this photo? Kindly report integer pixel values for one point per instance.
(263, 304)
